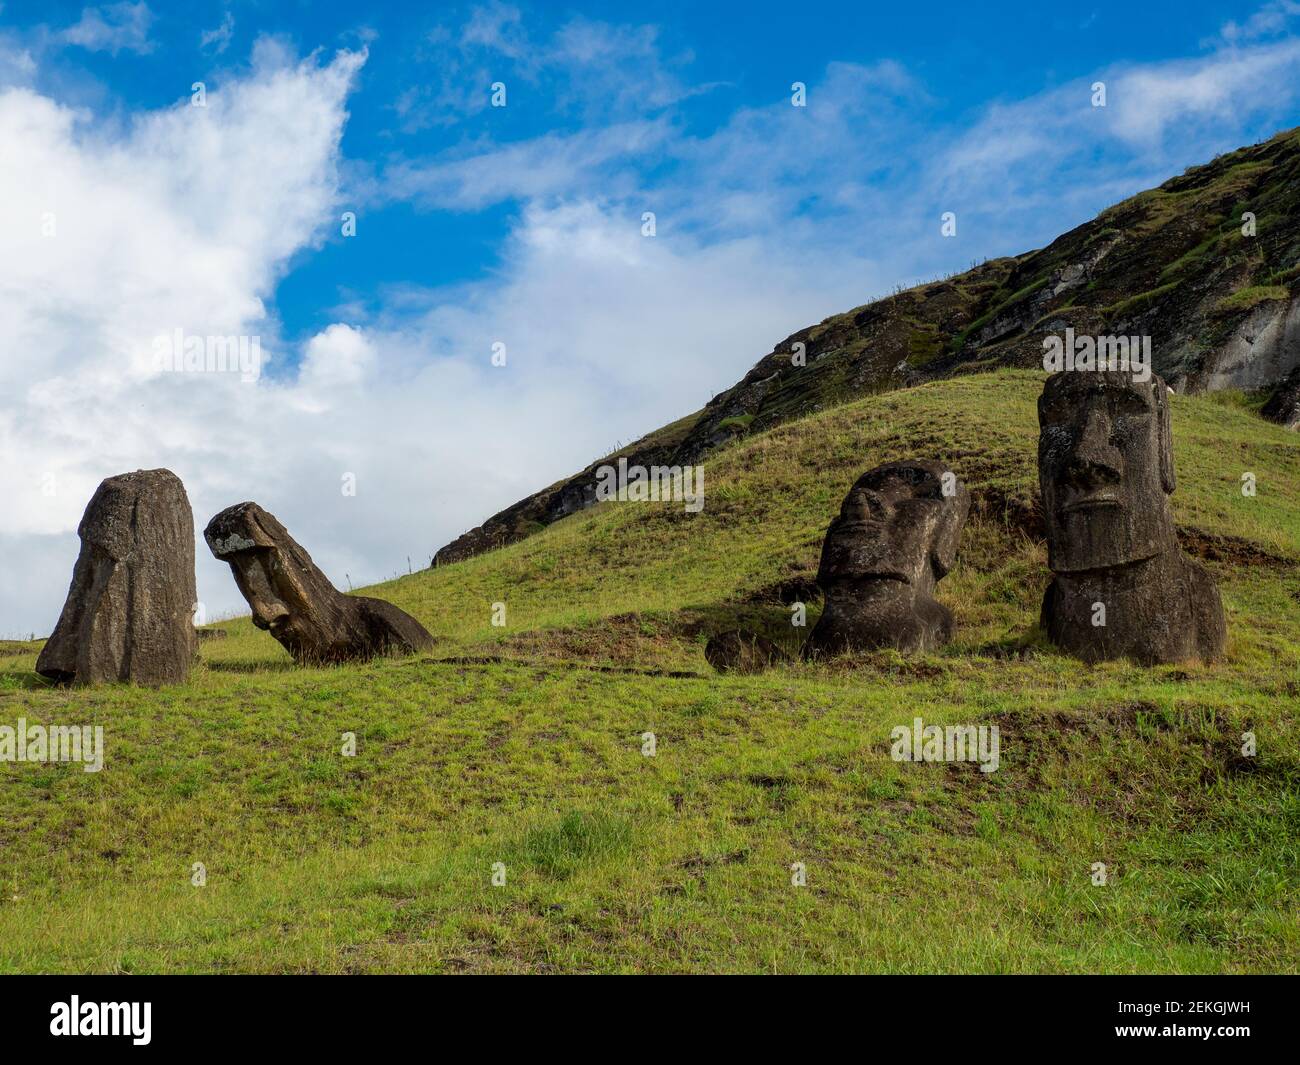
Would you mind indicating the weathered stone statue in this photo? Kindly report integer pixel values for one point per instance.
(1122, 585)
(895, 538)
(293, 600)
(742, 651)
(129, 611)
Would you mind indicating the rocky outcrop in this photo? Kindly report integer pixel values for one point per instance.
(1283, 406)
(129, 611)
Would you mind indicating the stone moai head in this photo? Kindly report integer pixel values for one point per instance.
(293, 600)
(895, 537)
(129, 611)
(1105, 469)
(897, 524)
(289, 595)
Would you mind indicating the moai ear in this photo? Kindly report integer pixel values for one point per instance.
(1167, 479)
(943, 554)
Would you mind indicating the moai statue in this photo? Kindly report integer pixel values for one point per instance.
(129, 611)
(895, 538)
(293, 600)
(1122, 586)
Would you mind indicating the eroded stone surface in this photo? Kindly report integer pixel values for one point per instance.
(895, 538)
(1283, 405)
(292, 599)
(128, 615)
(1122, 587)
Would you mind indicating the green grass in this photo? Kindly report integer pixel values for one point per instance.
(520, 748)
(1247, 298)
(1140, 302)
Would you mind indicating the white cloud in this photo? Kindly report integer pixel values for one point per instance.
(585, 67)
(113, 28)
(336, 360)
(218, 39)
(1271, 19)
(555, 163)
(1055, 156)
(186, 220)
(17, 65)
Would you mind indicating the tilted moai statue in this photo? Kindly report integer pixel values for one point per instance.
(1122, 586)
(293, 600)
(129, 611)
(895, 538)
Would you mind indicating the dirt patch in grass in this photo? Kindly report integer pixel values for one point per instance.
(1013, 511)
(1229, 550)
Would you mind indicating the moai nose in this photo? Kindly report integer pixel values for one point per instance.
(1093, 448)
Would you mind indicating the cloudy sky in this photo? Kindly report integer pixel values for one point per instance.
(127, 213)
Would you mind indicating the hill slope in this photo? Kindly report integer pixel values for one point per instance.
(523, 745)
(1171, 263)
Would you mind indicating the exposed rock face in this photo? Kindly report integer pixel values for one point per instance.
(741, 651)
(128, 615)
(1122, 587)
(895, 538)
(1263, 347)
(293, 600)
(1283, 406)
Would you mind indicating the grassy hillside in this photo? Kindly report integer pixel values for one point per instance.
(522, 745)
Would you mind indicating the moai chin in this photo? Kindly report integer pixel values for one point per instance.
(129, 611)
(895, 538)
(1122, 587)
(293, 600)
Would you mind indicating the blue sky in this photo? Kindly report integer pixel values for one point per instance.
(519, 225)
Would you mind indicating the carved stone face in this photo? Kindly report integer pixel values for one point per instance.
(283, 587)
(127, 616)
(896, 525)
(99, 577)
(1105, 468)
(896, 535)
(293, 600)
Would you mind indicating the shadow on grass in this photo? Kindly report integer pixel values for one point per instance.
(267, 666)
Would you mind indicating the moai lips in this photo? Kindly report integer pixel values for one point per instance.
(128, 615)
(1122, 586)
(293, 600)
(895, 538)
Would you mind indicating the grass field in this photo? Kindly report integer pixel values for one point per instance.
(522, 745)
